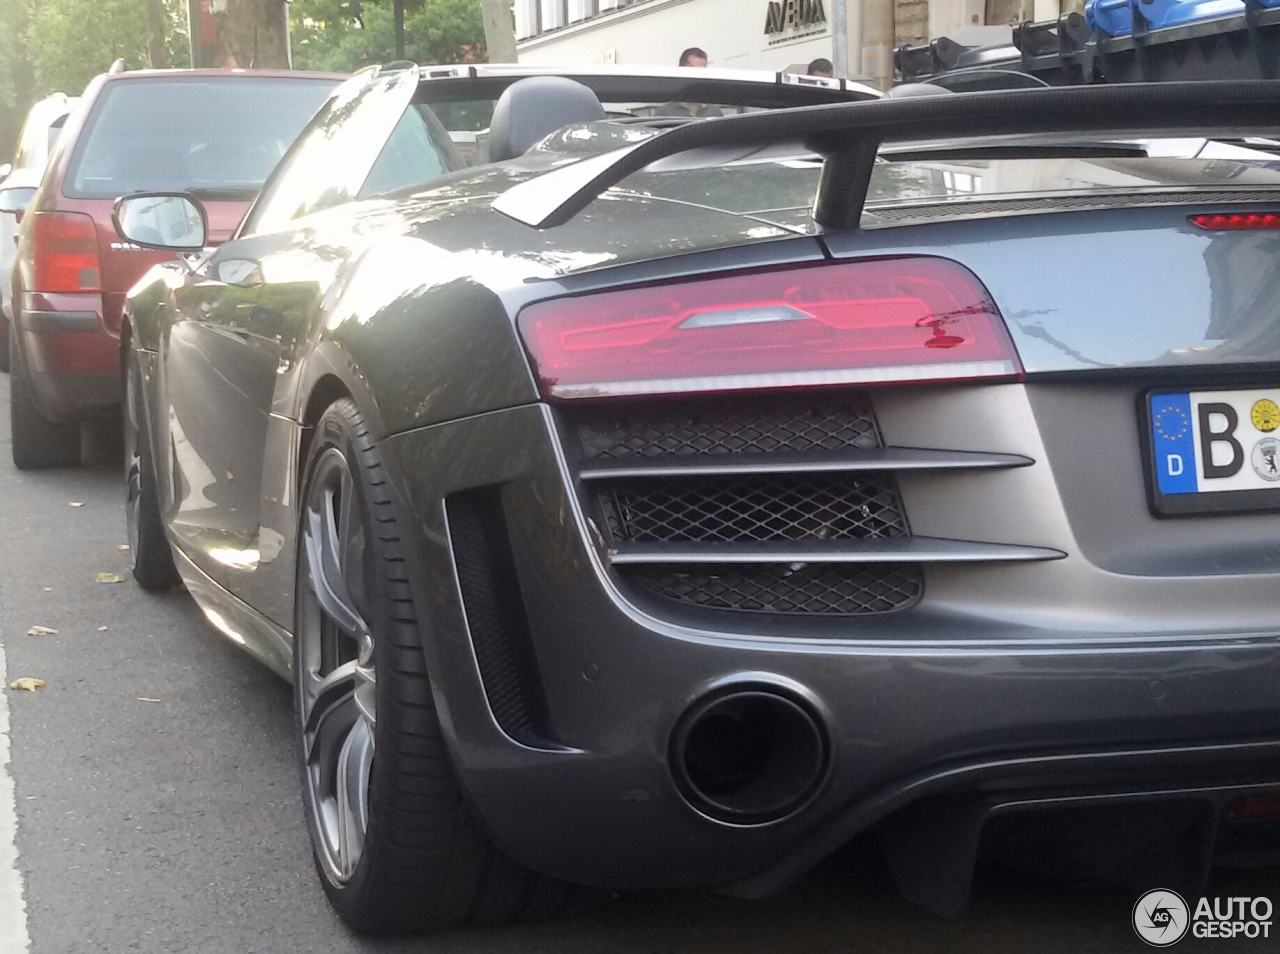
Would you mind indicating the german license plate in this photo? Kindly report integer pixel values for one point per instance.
(1215, 451)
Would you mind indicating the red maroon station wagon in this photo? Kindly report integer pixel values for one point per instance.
(214, 133)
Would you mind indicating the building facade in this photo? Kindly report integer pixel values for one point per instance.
(737, 34)
(770, 35)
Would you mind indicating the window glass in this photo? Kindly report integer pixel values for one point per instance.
(204, 135)
(333, 156)
(410, 156)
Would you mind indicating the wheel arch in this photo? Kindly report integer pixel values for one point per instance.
(326, 390)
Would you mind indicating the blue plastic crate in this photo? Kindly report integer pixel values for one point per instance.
(1115, 17)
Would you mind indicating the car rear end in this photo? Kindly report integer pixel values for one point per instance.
(215, 134)
(877, 529)
(40, 132)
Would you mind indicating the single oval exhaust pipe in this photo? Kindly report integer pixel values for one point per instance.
(749, 756)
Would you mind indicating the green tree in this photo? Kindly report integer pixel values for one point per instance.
(17, 73)
(346, 35)
(71, 41)
(59, 45)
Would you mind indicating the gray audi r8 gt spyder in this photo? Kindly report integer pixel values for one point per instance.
(646, 501)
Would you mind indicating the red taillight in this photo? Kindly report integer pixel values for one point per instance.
(66, 253)
(911, 319)
(1236, 221)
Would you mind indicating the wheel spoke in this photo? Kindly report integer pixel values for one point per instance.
(324, 564)
(354, 765)
(327, 696)
(366, 693)
(337, 681)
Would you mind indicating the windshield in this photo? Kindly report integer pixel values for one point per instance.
(209, 136)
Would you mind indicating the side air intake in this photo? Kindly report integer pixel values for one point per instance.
(496, 615)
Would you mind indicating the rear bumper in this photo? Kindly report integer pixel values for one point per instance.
(72, 360)
(916, 702)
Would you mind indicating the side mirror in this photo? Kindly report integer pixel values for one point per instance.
(16, 199)
(174, 221)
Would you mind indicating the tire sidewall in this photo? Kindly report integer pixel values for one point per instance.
(335, 430)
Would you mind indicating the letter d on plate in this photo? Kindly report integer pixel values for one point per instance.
(1174, 446)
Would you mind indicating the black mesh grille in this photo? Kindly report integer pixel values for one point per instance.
(496, 616)
(837, 590)
(732, 427)
(753, 507)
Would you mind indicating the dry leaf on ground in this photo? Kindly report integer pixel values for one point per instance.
(77, 503)
(110, 578)
(27, 683)
(102, 629)
(41, 631)
(122, 546)
(145, 699)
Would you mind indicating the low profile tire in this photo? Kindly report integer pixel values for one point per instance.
(149, 551)
(396, 848)
(38, 443)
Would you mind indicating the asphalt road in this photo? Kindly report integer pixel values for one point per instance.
(158, 809)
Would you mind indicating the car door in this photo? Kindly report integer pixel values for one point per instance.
(241, 360)
(212, 387)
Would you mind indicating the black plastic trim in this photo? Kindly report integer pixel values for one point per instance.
(496, 616)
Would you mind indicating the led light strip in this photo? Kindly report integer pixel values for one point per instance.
(897, 374)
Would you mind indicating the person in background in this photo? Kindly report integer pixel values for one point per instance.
(821, 67)
(694, 57)
(697, 58)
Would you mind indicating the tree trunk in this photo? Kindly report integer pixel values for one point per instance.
(157, 50)
(398, 17)
(499, 30)
(255, 32)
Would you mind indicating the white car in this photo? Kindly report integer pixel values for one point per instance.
(39, 134)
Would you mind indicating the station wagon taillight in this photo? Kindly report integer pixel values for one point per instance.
(908, 319)
(66, 253)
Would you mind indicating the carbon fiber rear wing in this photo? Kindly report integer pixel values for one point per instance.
(848, 136)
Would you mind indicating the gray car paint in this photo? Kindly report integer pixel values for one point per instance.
(407, 302)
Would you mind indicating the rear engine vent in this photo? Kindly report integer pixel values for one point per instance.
(729, 427)
(829, 590)
(496, 616)
(754, 507)
(750, 507)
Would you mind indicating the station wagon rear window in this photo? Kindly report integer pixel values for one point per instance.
(218, 138)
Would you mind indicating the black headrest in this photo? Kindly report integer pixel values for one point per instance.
(533, 108)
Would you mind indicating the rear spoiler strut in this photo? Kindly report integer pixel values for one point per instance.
(848, 136)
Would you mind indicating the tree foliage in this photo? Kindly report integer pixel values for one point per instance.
(346, 35)
(59, 45)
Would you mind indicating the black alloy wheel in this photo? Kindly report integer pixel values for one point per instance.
(150, 557)
(396, 848)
